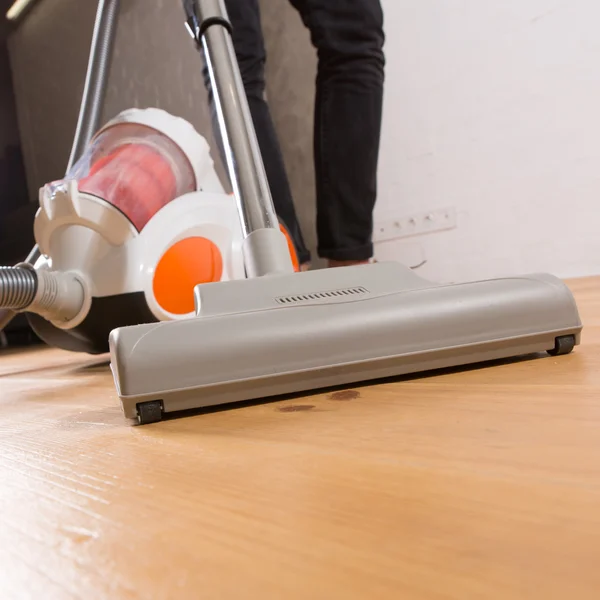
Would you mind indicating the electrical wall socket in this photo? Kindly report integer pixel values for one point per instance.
(427, 222)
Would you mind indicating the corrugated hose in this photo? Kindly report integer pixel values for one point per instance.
(54, 295)
(18, 287)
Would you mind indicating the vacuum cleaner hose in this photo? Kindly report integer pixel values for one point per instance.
(56, 296)
(18, 287)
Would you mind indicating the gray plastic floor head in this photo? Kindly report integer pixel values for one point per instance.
(262, 337)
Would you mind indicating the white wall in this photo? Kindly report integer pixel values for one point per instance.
(494, 108)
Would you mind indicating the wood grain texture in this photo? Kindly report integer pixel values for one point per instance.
(482, 483)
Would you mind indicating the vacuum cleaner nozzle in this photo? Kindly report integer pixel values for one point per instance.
(281, 334)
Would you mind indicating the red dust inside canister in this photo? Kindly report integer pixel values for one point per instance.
(136, 169)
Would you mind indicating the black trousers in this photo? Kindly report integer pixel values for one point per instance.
(348, 36)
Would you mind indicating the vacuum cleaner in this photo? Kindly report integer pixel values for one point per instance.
(227, 316)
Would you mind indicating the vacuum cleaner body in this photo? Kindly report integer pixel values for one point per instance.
(139, 221)
(291, 333)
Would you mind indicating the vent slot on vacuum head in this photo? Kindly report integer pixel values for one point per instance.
(331, 295)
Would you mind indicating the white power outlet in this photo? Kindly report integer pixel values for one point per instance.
(427, 222)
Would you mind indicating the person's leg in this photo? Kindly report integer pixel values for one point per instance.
(349, 38)
(250, 52)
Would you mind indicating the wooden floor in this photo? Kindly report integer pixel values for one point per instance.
(482, 484)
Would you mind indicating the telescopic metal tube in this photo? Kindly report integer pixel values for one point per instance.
(265, 247)
(96, 79)
(244, 161)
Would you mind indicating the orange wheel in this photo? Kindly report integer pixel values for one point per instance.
(182, 267)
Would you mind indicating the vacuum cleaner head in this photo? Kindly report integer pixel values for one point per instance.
(262, 337)
(280, 332)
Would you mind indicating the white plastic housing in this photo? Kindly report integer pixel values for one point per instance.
(80, 233)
